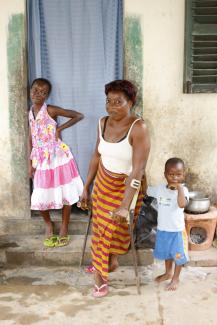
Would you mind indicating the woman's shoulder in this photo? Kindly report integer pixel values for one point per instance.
(138, 128)
(138, 122)
(102, 120)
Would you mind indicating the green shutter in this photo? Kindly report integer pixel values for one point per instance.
(200, 73)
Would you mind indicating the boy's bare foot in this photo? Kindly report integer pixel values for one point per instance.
(173, 285)
(163, 277)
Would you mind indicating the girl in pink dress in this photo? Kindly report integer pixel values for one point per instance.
(57, 183)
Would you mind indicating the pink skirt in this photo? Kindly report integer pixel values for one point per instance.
(56, 184)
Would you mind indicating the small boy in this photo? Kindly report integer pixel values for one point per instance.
(171, 239)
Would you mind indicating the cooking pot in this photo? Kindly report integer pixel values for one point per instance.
(198, 202)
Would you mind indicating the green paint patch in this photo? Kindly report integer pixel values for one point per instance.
(16, 55)
(133, 65)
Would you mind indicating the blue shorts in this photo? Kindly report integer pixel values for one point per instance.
(172, 246)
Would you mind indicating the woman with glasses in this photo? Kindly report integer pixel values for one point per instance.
(119, 160)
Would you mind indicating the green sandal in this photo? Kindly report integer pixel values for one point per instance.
(62, 241)
(50, 241)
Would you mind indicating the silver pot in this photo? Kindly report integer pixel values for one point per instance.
(198, 203)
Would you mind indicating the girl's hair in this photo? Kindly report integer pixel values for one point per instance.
(174, 161)
(127, 87)
(44, 81)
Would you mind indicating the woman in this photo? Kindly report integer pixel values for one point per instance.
(119, 158)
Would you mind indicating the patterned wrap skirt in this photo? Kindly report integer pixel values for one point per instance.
(108, 237)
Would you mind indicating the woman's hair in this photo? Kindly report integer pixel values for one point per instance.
(127, 87)
(43, 81)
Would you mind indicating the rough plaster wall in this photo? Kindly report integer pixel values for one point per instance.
(182, 125)
(133, 58)
(14, 188)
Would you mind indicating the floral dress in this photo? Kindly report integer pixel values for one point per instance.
(56, 179)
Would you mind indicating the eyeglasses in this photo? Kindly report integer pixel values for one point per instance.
(42, 93)
(116, 102)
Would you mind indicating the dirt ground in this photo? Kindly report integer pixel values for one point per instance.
(62, 296)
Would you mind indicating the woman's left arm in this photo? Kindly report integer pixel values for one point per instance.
(74, 117)
(141, 147)
(140, 142)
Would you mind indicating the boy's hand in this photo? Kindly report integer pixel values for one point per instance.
(175, 186)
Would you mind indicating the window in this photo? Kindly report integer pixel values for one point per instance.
(200, 72)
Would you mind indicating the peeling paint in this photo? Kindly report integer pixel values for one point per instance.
(16, 55)
(133, 66)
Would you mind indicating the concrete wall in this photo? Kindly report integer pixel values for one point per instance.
(183, 125)
(14, 184)
(180, 124)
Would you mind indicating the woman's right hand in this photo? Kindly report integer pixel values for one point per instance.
(84, 202)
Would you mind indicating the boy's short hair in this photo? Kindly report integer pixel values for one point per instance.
(45, 81)
(174, 161)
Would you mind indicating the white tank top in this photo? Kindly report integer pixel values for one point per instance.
(116, 156)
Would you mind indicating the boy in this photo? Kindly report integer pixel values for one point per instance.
(171, 239)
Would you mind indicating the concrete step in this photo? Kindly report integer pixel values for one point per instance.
(29, 250)
(35, 224)
(203, 258)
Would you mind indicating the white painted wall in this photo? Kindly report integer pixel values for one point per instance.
(183, 125)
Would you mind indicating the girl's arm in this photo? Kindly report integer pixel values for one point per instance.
(31, 169)
(74, 116)
(141, 148)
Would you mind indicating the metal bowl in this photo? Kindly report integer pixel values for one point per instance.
(198, 203)
(197, 195)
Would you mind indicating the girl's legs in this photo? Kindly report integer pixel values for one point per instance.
(168, 273)
(48, 223)
(66, 211)
(173, 285)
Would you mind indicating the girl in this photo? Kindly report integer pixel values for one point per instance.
(56, 180)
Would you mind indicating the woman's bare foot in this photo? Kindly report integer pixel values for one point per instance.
(163, 277)
(113, 263)
(173, 285)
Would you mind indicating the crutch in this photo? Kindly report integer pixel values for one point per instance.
(130, 224)
(85, 238)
